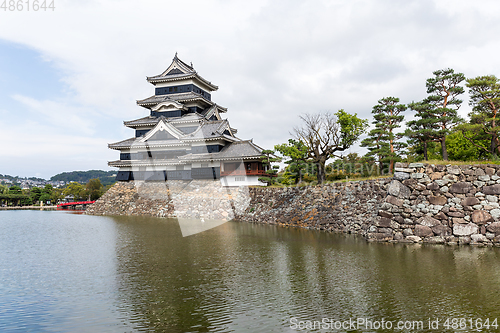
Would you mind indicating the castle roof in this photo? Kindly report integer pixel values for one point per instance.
(207, 131)
(181, 97)
(186, 118)
(240, 150)
(179, 70)
(235, 151)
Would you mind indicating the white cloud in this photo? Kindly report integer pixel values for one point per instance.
(61, 116)
(273, 60)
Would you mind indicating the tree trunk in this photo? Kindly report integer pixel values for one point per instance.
(320, 175)
(443, 148)
(425, 151)
(493, 145)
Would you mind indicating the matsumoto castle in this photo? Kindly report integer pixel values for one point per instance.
(184, 137)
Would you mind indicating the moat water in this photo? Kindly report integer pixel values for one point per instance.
(62, 272)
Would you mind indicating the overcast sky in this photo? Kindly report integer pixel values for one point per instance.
(70, 77)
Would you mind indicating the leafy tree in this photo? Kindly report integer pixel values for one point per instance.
(484, 97)
(296, 152)
(45, 197)
(57, 195)
(93, 189)
(15, 190)
(325, 134)
(35, 194)
(48, 189)
(460, 149)
(76, 190)
(272, 170)
(444, 89)
(382, 141)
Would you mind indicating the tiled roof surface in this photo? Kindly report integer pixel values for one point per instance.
(182, 97)
(239, 149)
(122, 144)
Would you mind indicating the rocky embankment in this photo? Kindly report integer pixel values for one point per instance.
(340, 207)
(423, 203)
(442, 204)
(186, 199)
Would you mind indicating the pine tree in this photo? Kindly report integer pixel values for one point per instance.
(268, 159)
(444, 89)
(422, 130)
(382, 140)
(484, 92)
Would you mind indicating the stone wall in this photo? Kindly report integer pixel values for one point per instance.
(423, 203)
(185, 199)
(443, 204)
(338, 207)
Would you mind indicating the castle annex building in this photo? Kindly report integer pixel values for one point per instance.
(184, 137)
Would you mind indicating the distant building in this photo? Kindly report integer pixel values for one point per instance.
(184, 137)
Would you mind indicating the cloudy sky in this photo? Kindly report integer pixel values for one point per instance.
(71, 76)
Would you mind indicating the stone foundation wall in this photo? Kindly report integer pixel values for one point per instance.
(423, 203)
(442, 204)
(186, 199)
(338, 207)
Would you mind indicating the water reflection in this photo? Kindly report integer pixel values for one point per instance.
(74, 273)
(247, 277)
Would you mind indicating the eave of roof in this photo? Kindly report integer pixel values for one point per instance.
(182, 97)
(128, 163)
(178, 77)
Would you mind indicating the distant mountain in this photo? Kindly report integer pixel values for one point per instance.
(106, 177)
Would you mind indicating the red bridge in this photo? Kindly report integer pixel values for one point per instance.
(72, 205)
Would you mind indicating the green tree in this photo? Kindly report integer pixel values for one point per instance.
(48, 189)
(422, 130)
(56, 195)
(15, 190)
(460, 149)
(444, 89)
(382, 140)
(268, 159)
(45, 197)
(35, 194)
(75, 189)
(93, 189)
(415, 151)
(484, 97)
(325, 134)
(296, 152)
